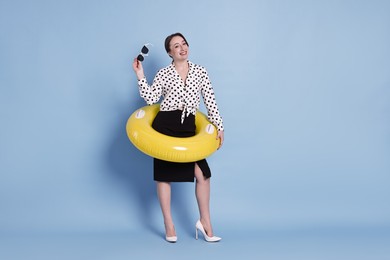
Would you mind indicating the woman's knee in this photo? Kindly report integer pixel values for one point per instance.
(200, 178)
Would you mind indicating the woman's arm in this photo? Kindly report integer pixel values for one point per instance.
(212, 108)
(151, 94)
(210, 102)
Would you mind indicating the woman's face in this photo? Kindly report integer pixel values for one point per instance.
(178, 49)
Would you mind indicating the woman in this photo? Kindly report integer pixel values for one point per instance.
(181, 84)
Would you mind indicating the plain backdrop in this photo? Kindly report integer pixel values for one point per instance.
(303, 87)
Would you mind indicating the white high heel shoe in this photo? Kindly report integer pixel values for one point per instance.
(199, 226)
(171, 239)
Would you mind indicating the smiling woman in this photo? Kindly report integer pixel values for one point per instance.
(181, 84)
(180, 48)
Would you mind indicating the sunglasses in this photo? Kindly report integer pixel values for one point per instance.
(144, 52)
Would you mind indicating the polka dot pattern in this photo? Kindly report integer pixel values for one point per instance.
(182, 95)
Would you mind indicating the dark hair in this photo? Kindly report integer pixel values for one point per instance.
(169, 38)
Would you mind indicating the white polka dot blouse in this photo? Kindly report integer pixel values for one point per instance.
(182, 95)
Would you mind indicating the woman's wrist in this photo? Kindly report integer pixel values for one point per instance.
(140, 76)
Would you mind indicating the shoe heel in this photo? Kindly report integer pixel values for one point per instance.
(199, 226)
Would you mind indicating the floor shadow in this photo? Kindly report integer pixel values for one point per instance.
(135, 169)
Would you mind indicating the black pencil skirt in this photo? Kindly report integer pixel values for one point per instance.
(169, 123)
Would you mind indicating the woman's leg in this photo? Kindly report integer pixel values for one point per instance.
(202, 192)
(164, 196)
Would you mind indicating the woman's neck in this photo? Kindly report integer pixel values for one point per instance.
(182, 69)
(180, 65)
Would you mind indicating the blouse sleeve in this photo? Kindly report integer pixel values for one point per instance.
(210, 102)
(151, 94)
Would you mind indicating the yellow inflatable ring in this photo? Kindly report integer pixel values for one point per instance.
(175, 149)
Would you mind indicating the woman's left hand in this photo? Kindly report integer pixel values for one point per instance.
(220, 136)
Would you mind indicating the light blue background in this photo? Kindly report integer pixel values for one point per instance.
(304, 89)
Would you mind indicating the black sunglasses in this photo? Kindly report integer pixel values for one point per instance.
(144, 52)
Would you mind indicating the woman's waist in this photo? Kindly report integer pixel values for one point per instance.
(178, 107)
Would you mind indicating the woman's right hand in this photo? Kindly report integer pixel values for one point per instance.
(138, 69)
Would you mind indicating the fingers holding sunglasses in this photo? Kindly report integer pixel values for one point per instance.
(138, 69)
(137, 63)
